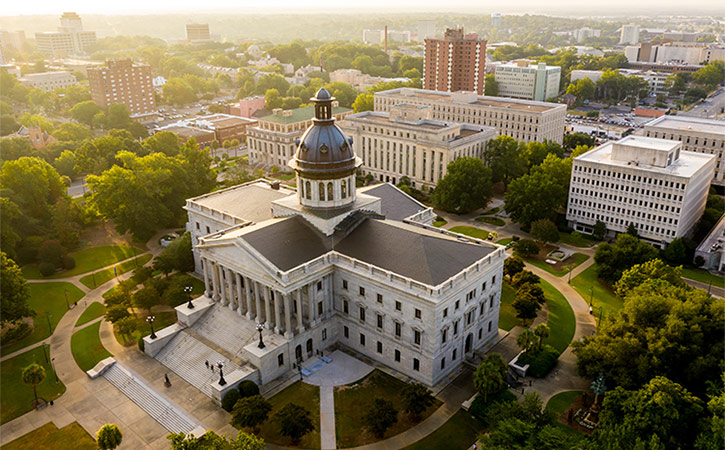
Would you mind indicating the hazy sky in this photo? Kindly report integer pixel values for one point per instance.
(578, 7)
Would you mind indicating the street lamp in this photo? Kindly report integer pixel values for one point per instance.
(66, 298)
(49, 327)
(591, 295)
(53, 367)
(188, 289)
(222, 381)
(260, 327)
(150, 320)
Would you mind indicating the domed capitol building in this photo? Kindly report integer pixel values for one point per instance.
(291, 273)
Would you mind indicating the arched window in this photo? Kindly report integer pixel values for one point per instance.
(321, 188)
(329, 192)
(308, 190)
(344, 188)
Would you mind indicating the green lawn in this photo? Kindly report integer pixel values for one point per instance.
(459, 432)
(105, 275)
(580, 240)
(49, 437)
(440, 223)
(94, 311)
(578, 258)
(474, 232)
(45, 298)
(703, 276)
(17, 397)
(86, 347)
(302, 394)
(504, 241)
(561, 321)
(603, 295)
(197, 285)
(560, 402)
(163, 320)
(88, 259)
(507, 314)
(491, 220)
(352, 402)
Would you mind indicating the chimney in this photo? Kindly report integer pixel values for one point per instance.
(385, 40)
(274, 185)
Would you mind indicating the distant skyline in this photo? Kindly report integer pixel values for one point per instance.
(573, 7)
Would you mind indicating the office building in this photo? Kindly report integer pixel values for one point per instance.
(197, 32)
(455, 63)
(426, 29)
(496, 19)
(328, 265)
(523, 120)
(655, 80)
(650, 183)
(273, 141)
(630, 34)
(226, 127)
(697, 135)
(246, 107)
(121, 81)
(586, 32)
(407, 142)
(12, 39)
(49, 81)
(518, 79)
(203, 137)
(70, 39)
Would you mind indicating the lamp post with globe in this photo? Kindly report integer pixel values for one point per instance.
(188, 290)
(260, 327)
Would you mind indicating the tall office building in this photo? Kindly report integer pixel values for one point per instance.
(518, 79)
(496, 19)
(455, 63)
(123, 82)
(70, 39)
(198, 32)
(630, 34)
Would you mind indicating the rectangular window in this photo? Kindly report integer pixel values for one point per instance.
(444, 335)
(397, 329)
(344, 284)
(416, 364)
(380, 321)
(362, 339)
(362, 291)
(398, 306)
(362, 314)
(458, 304)
(445, 312)
(418, 313)
(324, 334)
(489, 326)
(455, 327)
(319, 285)
(280, 359)
(455, 353)
(380, 347)
(346, 332)
(416, 337)
(345, 307)
(443, 363)
(380, 298)
(319, 308)
(397, 356)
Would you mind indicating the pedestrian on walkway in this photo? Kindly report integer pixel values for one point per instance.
(207, 364)
(167, 382)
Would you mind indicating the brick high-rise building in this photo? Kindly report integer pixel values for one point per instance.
(455, 63)
(121, 81)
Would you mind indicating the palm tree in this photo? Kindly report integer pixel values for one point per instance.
(489, 375)
(542, 331)
(33, 375)
(527, 340)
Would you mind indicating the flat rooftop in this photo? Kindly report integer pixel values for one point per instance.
(494, 102)
(689, 124)
(648, 143)
(300, 115)
(383, 118)
(251, 202)
(186, 132)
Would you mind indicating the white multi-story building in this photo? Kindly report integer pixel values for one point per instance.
(655, 80)
(586, 32)
(48, 81)
(496, 19)
(643, 181)
(630, 34)
(406, 142)
(524, 120)
(328, 264)
(518, 79)
(697, 135)
(70, 39)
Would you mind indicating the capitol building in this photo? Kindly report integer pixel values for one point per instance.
(290, 273)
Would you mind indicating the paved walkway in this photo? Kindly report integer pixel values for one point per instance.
(328, 439)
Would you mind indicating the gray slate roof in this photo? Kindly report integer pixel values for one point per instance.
(417, 254)
(396, 204)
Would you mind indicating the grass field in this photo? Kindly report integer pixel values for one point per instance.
(87, 260)
(561, 402)
(105, 275)
(459, 432)
(703, 276)
(474, 232)
(507, 314)
(302, 394)
(49, 437)
(17, 397)
(581, 240)
(561, 321)
(94, 311)
(163, 320)
(86, 347)
(603, 296)
(45, 298)
(504, 241)
(578, 258)
(352, 403)
(491, 220)
(440, 223)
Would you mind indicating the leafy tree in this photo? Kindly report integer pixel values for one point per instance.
(600, 230)
(126, 326)
(490, 86)
(416, 399)
(251, 412)
(613, 259)
(146, 298)
(381, 416)
(534, 153)
(653, 269)
(632, 230)
(583, 89)
(13, 291)
(293, 421)
(489, 375)
(711, 75)
(178, 92)
(544, 230)
(512, 266)
(15, 147)
(363, 102)
(69, 131)
(503, 157)
(524, 277)
(527, 247)
(675, 253)
(33, 375)
(574, 140)
(542, 332)
(109, 437)
(272, 99)
(465, 187)
(212, 441)
(84, 112)
(164, 142)
(272, 81)
(662, 330)
(675, 84)
(541, 193)
(528, 301)
(8, 125)
(343, 92)
(527, 340)
(116, 312)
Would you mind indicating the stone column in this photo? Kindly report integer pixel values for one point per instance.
(257, 302)
(298, 303)
(311, 289)
(240, 299)
(277, 311)
(222, 285)
(230, 290)
(287, 316)
(205, 268)
(267, 307)
(215, 275)
(248, 298)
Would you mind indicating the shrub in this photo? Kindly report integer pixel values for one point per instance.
(478, 408)
(46, 269)
(527, 247)
(69, 262)
(540, 362)
(248, 388)
(141, 345)
(230, 399)
(16, 333)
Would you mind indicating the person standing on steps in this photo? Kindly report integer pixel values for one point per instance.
(207, 364)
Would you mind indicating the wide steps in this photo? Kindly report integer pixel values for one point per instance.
(226, 328)
(166, 414)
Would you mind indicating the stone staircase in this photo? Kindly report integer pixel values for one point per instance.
(226, 329)
(169, 416)
(185, 355)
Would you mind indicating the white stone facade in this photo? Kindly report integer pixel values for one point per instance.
(648, 182)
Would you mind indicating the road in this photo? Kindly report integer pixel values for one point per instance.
(710, 108)
(77, 188)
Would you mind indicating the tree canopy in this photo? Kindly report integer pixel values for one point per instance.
(13, 291)
(613, 259)
(465, 188)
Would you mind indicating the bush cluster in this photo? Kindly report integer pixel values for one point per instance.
(540, 361)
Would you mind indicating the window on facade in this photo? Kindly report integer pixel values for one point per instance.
(344, 188)
(458, 304)
(380, 298)
(344, 284)
(319, 308)
(397, 356)
(398, 306)
(208, 230)
(489, 326)
(362, 339)
(416, 364)
(480, 333)
(398, 328)
(308, 190)
(443, 363)
(280, 359)
(444, 335)
(329, 192)
(321, 188)
(455, 327)
(345, 307)
(418, 313)
(198, 227)
(362, 314)
(362, 291)
(380, 321)
(319, 285)
(346, 332)
(445, 312)
(380, 347)
(416, 337)
(455, 353)
(324, 334)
